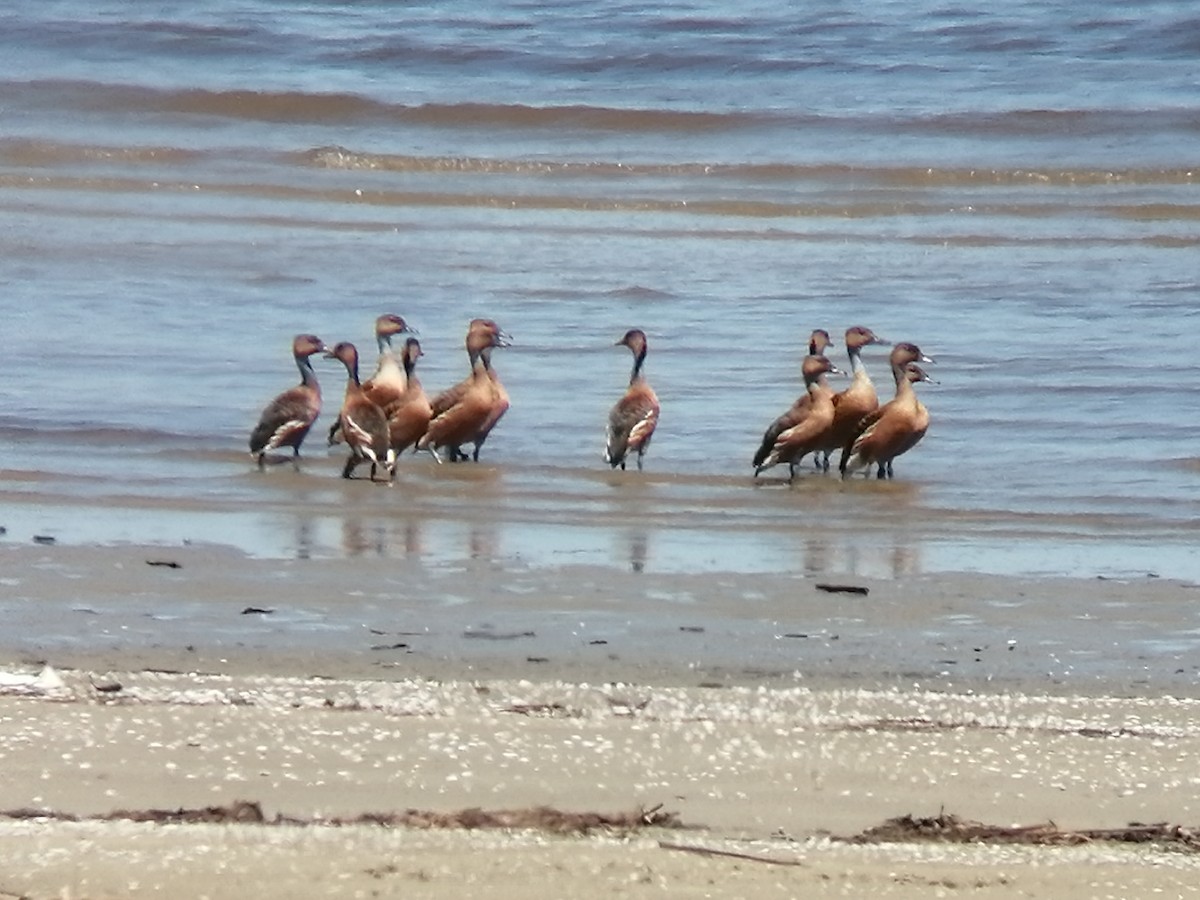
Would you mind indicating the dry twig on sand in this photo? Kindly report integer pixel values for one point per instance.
(953, 829)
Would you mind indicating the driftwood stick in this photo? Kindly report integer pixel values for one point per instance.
(842, 588)
(732, 854)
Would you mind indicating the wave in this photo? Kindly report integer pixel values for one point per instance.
(335, 157)
(45, 153)
(1076, 123)
(301, 107)
(16, 429)
(848, 209)
(342, 108)
(42, 153)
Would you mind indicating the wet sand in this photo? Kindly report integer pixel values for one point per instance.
(771, 717)
(213, 609)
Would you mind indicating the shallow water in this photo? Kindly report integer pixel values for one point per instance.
(182, 189)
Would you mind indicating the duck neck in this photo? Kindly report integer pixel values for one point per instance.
(479, 367)
(639, 359)
(857, 369)
(352, 383)
(308, 376)
(819, 389)
(390, 370)
(474, 349)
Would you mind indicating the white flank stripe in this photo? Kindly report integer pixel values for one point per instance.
(282, 431)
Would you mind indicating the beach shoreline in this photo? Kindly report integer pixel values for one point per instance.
(769, 715)
(212, 609)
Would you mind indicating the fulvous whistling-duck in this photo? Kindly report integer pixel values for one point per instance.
(386, 386)
(818, 342)
(632, 421)
(856, 401)
(500, 399)
(287, 419)
(897, 426)
(809, 432)
(410, 419)
(461, 412)
(362, 424)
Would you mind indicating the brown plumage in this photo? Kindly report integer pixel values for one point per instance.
(894, 428)
(385, 387)
(500, 400)
(409, 419)
(361, 422)
(444, 401)
(474, 344)
(856, 401)
(818, 342)
(632, 421)
(287, 419)
(460, 413)
(804, 437)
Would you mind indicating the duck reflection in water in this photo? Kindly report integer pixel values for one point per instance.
(638, 551)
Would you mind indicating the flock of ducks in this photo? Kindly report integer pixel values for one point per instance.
(390, 413)
(386, 415)
(868, 434)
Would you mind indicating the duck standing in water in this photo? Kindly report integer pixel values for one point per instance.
(388, 384)
(287, 419)
(410, 418)
(632, 421)
(460, 413)
(500, 399)
(856, 401)
(818, 342)
(896, 427)
(361, 423)
(810, 432)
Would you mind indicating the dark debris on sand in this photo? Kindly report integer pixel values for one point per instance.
(245, 812)
(952, 829)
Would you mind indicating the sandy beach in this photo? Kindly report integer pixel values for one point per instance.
(689, 737)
